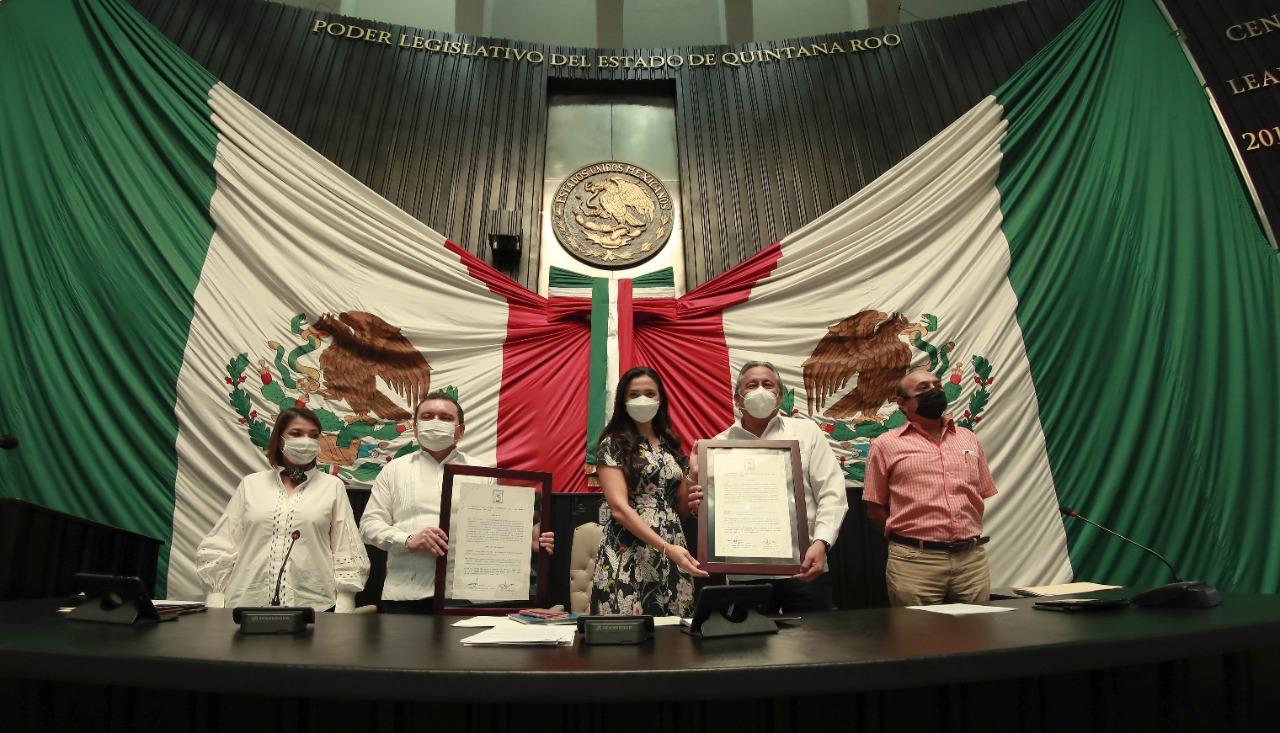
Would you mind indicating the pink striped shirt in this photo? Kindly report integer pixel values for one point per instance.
(933, 490)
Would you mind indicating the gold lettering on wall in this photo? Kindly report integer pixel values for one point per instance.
(427, 44)
(1253, 28)
(352, 32)
(1254, 82)
(1261, 139)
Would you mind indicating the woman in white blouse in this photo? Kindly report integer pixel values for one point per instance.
(239, 561)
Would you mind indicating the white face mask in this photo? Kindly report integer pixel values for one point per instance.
(300, 451)
(642, 409)
(760, 403)
(436, 434)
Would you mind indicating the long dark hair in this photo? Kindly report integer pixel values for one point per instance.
(622, 431)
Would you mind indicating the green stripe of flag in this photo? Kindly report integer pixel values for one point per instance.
(598, 382)
(664, 278)
(1148, 303)
(108, 151)
(558, 277)
(563, 282)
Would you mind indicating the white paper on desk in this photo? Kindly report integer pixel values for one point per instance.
(667, 620)
(753, 514)
(479, 622)
(489, 532)
(1062, 589)
(523, 635)
(961, 609)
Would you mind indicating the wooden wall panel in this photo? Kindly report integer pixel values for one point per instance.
(764, 148)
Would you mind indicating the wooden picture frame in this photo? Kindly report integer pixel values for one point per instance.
(495, 481)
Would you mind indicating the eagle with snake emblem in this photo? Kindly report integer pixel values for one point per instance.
(613, 201)
(867, 349)
(364, 347)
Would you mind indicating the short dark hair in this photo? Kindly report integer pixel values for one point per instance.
(440, 395)
(737, 387)
(274, 454)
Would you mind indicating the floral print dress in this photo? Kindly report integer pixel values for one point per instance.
(632, 577)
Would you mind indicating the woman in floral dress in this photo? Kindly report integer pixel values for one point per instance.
(642, 566)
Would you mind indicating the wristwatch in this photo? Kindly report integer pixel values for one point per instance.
(827, 544)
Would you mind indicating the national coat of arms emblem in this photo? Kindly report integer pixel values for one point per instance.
(334, 367)
(873, 350)
(612, 215)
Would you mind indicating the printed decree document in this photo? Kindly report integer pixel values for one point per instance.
(490, 533)
(752, 504)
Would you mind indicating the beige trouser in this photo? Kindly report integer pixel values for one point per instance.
(918, 577)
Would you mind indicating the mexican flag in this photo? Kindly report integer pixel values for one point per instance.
(179, 269)
(1074, 257)
(1076, 260)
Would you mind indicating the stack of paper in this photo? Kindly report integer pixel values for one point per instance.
(513, 634)
(1061, 589)
(482, 622)
(178, 608)
(568, 619)
(960, 609)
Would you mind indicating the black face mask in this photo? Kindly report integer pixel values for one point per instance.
(930, 405)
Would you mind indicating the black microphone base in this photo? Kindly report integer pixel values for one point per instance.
(1205, 596)
(273, 619)
(1183, 594)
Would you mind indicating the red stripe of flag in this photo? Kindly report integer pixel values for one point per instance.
(542, 406)
(626, 327)
(691, 353)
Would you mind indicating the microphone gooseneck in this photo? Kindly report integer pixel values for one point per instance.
(293, 539)
(1072, 513)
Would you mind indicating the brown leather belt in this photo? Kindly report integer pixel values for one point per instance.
(956, 546)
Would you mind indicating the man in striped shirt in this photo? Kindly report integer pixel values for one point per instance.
(925, 486)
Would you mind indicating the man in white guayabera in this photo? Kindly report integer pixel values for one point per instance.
(403, 514)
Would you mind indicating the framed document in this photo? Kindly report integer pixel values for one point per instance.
(753, 516)
(492, 517)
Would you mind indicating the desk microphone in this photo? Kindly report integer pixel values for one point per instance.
(275, 619)
(1072, 513)
(293, 540)
(8, 442)
(1180, 593)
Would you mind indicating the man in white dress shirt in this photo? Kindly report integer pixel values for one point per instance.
(403, 514)
(758, 395)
